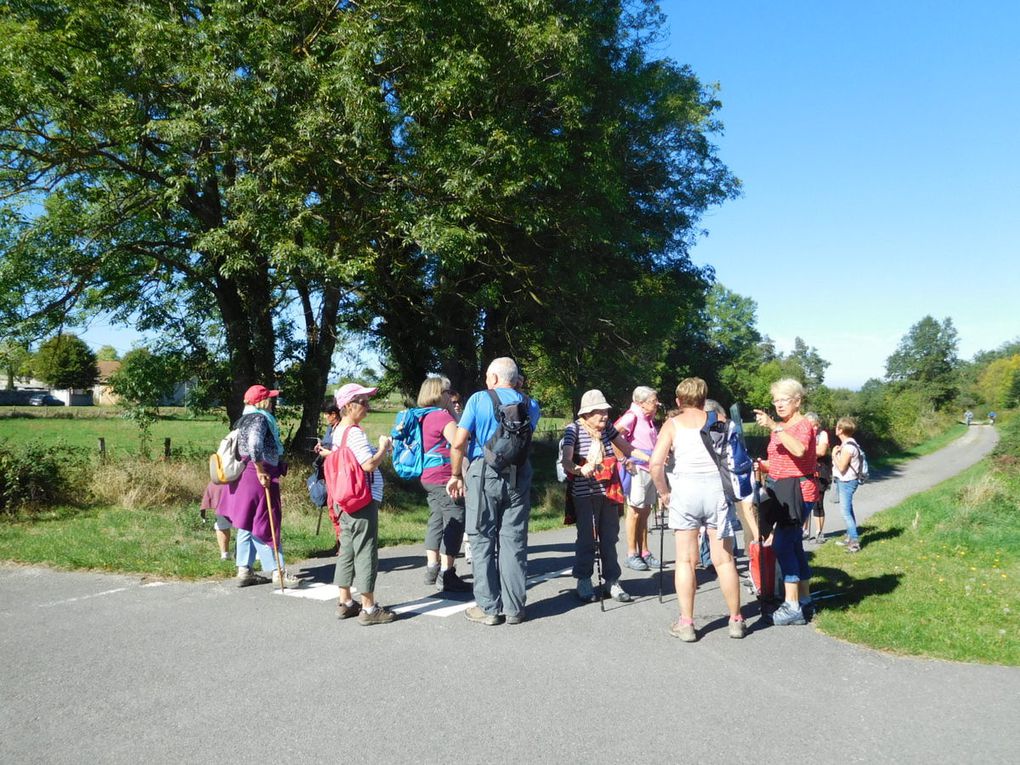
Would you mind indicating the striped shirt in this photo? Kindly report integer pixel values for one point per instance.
(577, 437)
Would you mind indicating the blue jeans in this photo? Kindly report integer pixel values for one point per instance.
(788, 545)
(248, 545)
(846, 499)
(704, 551)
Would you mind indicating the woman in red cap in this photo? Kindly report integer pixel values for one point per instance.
(244, 501)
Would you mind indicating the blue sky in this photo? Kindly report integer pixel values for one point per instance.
(878, 146)
(877, 143)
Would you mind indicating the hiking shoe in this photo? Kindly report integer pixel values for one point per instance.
(246, 578)
(853, 547)
(453, 583)
(344, 611)
(785, 616)
(805, 535)
(516, 618)
(585, 591)
(617, 593)
(637, 563)
(431, 574)
(381, 615)
(683, 631)
(476, 614)
(651, 561)
(820, 539)
(737, 629)
(288, 581)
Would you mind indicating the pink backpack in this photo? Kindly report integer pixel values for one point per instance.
(347, 487)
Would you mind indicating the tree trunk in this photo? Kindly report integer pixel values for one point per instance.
(320, 343)
(248, 326)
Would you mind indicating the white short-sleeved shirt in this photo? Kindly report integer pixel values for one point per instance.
(357, 442)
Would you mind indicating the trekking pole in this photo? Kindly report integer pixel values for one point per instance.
(761, 540)
(272, 531)
(661, 516)
(598, 558)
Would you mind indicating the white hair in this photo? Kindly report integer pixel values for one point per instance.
(505, 370)
(642, 393)
(787, 387)
(711, 405)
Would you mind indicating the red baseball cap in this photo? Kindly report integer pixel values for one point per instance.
(257, 393)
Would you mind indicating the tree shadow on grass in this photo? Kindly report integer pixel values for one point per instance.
(834, 588)
(869, 535)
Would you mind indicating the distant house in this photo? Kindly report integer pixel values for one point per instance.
(101, 393)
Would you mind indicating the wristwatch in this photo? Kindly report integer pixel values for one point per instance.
(777, 429)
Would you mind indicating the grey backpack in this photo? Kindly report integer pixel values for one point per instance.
(511, 443)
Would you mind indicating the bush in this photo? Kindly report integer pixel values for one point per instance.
(34, 476)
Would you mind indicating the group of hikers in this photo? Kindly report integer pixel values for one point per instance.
(473, 462)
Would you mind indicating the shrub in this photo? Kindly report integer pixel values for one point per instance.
(35, 475)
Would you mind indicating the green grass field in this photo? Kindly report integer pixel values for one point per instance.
(128, 526)
(938, 575)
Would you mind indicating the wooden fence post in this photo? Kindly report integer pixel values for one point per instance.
(102, 447)
(166, 448)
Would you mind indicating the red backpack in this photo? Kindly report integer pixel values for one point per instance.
(347, 487)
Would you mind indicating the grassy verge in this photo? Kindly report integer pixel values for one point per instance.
(133, 536)
(937, 575)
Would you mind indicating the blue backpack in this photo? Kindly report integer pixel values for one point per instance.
(409, 456)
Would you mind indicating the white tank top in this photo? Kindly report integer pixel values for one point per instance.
(690, 456)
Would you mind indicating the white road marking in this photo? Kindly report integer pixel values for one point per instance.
(82, 597)
(154, 584)
(429, 606)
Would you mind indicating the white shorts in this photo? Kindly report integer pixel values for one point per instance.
(222, 523)
(642, 493)
(697, 502)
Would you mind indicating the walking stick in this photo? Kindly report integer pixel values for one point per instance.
(660, 514)
(276, 544)
(598, 559)
(761, 540)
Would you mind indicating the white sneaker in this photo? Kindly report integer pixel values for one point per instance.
(617, 593)
(288, 580)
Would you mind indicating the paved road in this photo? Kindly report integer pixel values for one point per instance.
(115, 669)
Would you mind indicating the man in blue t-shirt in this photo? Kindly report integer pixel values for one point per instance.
(497, 504)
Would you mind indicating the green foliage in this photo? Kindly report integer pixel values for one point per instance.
(434, 173)
(999, 382)
(145, 379)
(926, 360)
(15, 361)
(34, 475)
(107, 353)
(65, 361)
(142, 382)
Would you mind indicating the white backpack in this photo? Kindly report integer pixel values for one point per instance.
(225, 464)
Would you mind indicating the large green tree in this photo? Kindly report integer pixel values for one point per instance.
(461, 179)
(926, 359)
(66, 361)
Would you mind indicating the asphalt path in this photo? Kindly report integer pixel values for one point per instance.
(117, 669)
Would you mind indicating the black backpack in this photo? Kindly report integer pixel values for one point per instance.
(511, 443)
